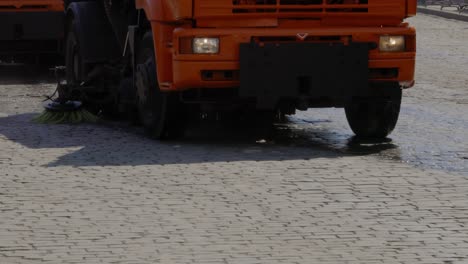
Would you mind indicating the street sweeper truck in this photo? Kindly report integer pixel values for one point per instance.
(31, 29)
(163, 61)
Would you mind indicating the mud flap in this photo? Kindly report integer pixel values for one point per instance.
(274, 71)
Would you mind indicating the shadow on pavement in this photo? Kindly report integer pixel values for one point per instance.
(116, 144)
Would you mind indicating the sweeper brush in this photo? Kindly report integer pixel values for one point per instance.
(62, 110)
(70, 112)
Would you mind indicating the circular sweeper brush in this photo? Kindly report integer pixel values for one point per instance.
(69, 112)
(62, 110)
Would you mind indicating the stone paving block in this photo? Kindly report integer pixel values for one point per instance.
(99, 194)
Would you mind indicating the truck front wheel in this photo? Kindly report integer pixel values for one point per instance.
(161, 113)
(73, 59)
(373, 118)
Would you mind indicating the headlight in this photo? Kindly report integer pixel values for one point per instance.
(392, 43)
(205, 45)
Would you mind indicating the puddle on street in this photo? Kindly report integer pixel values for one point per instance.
(327, 130)
(440, 149)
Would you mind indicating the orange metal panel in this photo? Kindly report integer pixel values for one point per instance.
(187, 74)
(240, 21)
(166, 10)
(232, 37)
(241, 9)
(412, 6)
(30, 5)
(187, 68)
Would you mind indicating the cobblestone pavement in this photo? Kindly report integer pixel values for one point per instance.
(308, 194)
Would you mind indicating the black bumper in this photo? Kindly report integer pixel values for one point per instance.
(31, 32)
(303, 71)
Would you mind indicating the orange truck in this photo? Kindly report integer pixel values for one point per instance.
(164, 60)
(30, 27)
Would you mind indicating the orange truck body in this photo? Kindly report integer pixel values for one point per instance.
(269, 57)
(31, 6)
(242, 21)
(30, 27)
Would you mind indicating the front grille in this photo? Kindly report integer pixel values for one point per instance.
(295, 6)
(314, 39)
(255, 9)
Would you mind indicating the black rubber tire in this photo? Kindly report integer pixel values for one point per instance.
(373, 119)
(73, 60)
(75, 67)
(127, 101)
(161, 113)
(77, 73)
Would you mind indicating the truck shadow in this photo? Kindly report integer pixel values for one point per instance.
(117, 144)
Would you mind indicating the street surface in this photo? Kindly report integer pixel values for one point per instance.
(306, 193)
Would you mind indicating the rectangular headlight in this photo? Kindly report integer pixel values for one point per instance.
(392, 43)
(205, 45)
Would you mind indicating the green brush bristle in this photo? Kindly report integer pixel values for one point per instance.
(69, 117)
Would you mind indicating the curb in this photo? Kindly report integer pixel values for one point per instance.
(442, 14)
